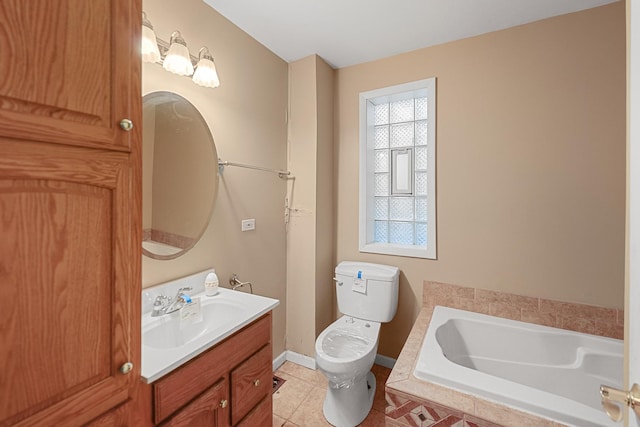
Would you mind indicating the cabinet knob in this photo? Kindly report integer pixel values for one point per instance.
(126, 368)
(126, 124)
(223, 403)
(256, 383)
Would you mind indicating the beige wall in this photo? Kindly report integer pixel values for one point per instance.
(325, 222)
(246, 115)
(530, 162)
(301, 232)
(310, 231)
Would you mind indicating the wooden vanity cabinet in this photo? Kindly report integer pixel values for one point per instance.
(229, 384)
(70, 197)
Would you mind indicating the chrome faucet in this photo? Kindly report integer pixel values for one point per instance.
(165, 305)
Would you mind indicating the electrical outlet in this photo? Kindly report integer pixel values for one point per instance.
(248, 224)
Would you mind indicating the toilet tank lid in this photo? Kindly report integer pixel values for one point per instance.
(368, 270)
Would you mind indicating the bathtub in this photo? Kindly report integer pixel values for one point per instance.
(549, 372)
(160, 248)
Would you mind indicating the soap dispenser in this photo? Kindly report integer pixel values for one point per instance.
(211, 284)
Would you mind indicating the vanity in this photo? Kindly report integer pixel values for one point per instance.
(215, 371)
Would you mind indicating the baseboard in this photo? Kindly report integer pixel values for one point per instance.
(309, 362)
(387, 362)
(279, 361)
(301, 359)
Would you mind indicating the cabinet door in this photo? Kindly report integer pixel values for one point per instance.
(69, 285)
(210, 409)
(261, 415)
(67, 70)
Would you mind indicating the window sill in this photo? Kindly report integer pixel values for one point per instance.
(399, 250)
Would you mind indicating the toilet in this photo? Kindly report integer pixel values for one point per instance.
(367, 295)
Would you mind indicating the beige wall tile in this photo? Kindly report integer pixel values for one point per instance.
(508, 417)
(474, 306)
(589, 312)
(609, 329)
(539, 318)
(579, 324)
(551, 306)
(505, 311)
(508, 299)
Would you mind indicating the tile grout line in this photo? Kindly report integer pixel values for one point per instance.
(300, 404)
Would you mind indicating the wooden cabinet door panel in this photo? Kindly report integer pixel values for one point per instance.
(250, 383)
(66, 287)
(67, 70)
(261, 415)
(210, 409)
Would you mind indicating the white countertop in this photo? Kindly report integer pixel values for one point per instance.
(157, 362)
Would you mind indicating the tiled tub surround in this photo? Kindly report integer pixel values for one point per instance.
(167, 238)
(413, 402)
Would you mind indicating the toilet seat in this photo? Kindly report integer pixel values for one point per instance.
(347, 339)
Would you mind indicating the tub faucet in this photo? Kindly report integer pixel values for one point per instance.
(165, 305)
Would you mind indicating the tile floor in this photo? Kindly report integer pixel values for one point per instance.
(298, 402)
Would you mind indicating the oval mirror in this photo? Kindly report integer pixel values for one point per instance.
(179, 175)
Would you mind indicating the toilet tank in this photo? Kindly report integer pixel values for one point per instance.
(367, 291)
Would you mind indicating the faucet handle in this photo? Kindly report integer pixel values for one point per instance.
(160, 300)
(181, 295)
(159, 305)
(181, 291)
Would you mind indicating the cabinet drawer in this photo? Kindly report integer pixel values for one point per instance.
(250, 383)
(261, 415)
(211, 408)
(185, 383)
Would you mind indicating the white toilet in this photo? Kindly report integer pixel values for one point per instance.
(345, 351)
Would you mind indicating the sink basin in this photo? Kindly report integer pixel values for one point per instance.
(168, 342)
(170, 332)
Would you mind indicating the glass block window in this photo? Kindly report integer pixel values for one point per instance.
(397, 170)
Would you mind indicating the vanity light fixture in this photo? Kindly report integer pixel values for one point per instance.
(175, 57)
(206, 74)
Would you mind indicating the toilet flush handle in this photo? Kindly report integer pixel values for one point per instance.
(337, 281)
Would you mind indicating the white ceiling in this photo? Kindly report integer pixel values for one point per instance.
(348, 32)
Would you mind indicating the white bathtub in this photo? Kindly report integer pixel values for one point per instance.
(160, 248)
(549, 372)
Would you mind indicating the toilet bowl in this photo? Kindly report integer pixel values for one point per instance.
(367, 295)
(345, 352)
